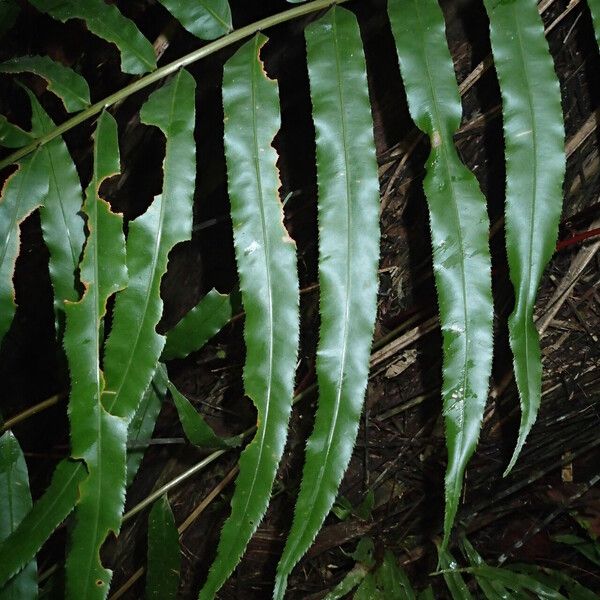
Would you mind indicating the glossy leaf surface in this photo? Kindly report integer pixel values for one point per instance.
(47, 513)
(142, 425)
(68, 85)
(133, 347)
(23, 192)
(15, 503)
(204, 321)
(97, 437)
(269, 284)
(454, 580)
(62, 225)
(105, 21)
(348, 213)
(164, 554)
(459, 233)
(535, 167)
(206, 19)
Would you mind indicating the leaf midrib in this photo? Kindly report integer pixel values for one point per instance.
(446, 166)
(264, 429)
(157, 243)
(339, 379)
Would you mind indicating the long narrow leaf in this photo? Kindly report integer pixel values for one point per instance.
(105, 20)
(62, 225)
(459, 232)
(269, 284)
(392, 580)
(142, 424)
(195, 427)
(69, 86)
(535, 167)
(164, 554)
(206, 19)
(96, 436)
(204, 321)
(492, 590)
(15, 503)
(23, 192)
(133, 347)
(21, 546)
(348, 260)
(454, 580)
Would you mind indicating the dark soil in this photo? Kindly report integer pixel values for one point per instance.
(400, 453)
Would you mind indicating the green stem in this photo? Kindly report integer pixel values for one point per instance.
(188, 59)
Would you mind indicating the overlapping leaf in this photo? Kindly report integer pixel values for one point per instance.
(21, 546)
(206, 19)
(164, 555)
(268, 279)
(97, 437)
(196, 429)
(204, 321)
(12, 136)
(68, 85)
(535, 168)
(105, 20)
(348, 259)
(62, 225)
(142, 424)
(23, 192)
(133, 347)
(15, 503)
(459, 232)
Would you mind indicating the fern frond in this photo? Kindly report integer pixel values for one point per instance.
(459, 234)
(535, 167)
(348, 260)
(266, 263)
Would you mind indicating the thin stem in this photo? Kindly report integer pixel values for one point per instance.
(22, 416)
(192, 57)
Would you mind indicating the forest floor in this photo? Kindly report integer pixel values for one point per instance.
(393, 490)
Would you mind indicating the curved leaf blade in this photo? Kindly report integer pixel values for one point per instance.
(12, 136)
(453, 578)
(459, 233)
(206, 19)
(142, 424)
(133, 347)
(203, 322)
(348, 214)
(96, 436)
(164, 554)
(23, 192)
(15, 503)
(62, 225)
(68, 85)
(21, 546)
(535, 168)
(266, 263)
(106, 21)
(196, 429)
